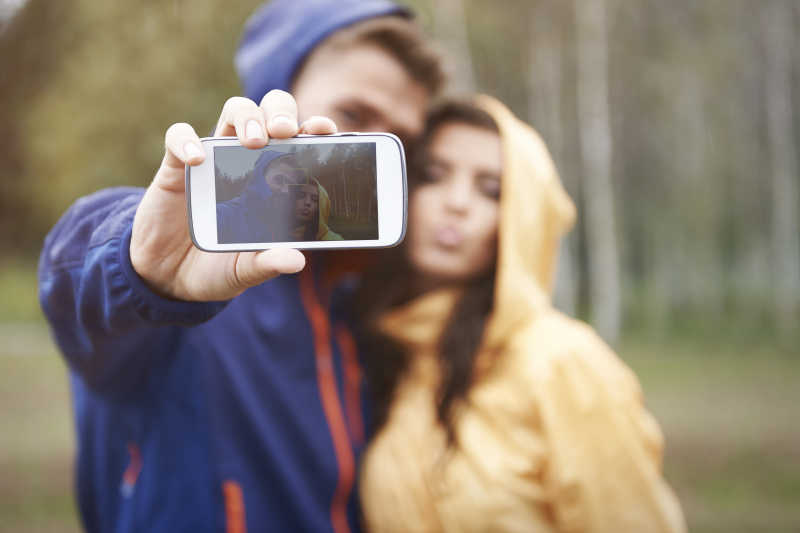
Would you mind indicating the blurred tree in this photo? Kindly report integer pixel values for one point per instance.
(545, 81)
(778, 43)
(596, 146)
(451, 27)
(32, 46)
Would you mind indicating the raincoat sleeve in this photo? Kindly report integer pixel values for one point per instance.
(109, 325)
(604, 471)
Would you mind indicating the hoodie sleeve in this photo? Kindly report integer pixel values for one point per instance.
(231, 221)
(110, 326)
(604, 467)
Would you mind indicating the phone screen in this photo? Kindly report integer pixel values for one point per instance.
(296, 192)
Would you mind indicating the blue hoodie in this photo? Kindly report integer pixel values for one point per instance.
(222, 416)
(246, 218)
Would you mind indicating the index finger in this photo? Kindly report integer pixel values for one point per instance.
(280, 110)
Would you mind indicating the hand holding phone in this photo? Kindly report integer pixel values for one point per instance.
(161, 249)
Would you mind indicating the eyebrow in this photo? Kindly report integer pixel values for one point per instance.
(433, 160)
(479, 173)
(375, 113)
(491, 174)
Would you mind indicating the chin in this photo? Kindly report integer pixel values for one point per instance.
(445, 269)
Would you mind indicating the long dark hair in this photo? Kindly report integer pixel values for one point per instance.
(387, 286)
(311, 227)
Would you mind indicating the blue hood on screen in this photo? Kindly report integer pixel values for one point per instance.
(258, 190)
(279, 36)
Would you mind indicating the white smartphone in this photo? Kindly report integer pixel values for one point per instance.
(346, 190)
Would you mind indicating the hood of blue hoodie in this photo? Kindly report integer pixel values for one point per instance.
(281, 34)
(258, 190)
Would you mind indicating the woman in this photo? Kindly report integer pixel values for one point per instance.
(494, 412)
(310, 212)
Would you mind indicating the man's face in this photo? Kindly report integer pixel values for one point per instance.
(362, 88)
(282, 173)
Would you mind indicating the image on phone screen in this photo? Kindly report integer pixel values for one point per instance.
(292, 193)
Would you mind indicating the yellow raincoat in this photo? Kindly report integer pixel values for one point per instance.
(553, 435)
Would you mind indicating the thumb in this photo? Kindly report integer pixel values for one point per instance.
(253, 268)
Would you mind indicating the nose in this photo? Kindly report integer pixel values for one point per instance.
(458, 195)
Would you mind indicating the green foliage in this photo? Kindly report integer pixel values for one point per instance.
(117, 76)
(19, 301)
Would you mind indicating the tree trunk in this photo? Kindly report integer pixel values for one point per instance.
(596, 150)
(544, 89)
(450, 24)
(778, 45)
(346, 199)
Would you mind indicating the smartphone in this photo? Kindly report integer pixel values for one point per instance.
(346, 190)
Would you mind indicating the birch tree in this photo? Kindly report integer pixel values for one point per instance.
(545, 88)
(778, 45)
(596, 152)
(450, 22)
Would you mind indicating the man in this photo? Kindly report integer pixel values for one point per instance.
(200, 405)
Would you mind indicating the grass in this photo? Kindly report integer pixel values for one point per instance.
(730, 415)
(36, 439)
(729, 412)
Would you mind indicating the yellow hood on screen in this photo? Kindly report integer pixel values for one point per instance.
(324, 233)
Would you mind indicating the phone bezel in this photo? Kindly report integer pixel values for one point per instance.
(390, 167)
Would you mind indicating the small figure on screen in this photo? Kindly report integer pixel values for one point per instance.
(311, 212)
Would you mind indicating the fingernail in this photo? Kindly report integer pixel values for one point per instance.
(278, 120)
(295, 265)
(192, 150)
(254, 130)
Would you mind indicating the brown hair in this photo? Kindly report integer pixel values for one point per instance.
(400, 37)
(388, 285)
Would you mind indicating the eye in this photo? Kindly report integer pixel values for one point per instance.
(433, 173)
(489, 187)
(349, 117)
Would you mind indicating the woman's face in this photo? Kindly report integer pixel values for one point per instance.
(453, 212)
(306, 202)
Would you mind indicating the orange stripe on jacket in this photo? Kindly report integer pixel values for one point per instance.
(331, 405)
(235, 519)
(352, 376)
(131, 473)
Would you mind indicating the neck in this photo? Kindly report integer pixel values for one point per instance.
(298, 232)
(423, 284)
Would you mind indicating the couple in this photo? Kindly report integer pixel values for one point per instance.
(279, 203)
(226, 392)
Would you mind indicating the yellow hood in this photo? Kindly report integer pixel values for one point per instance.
(324, 233)
(535, 212)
